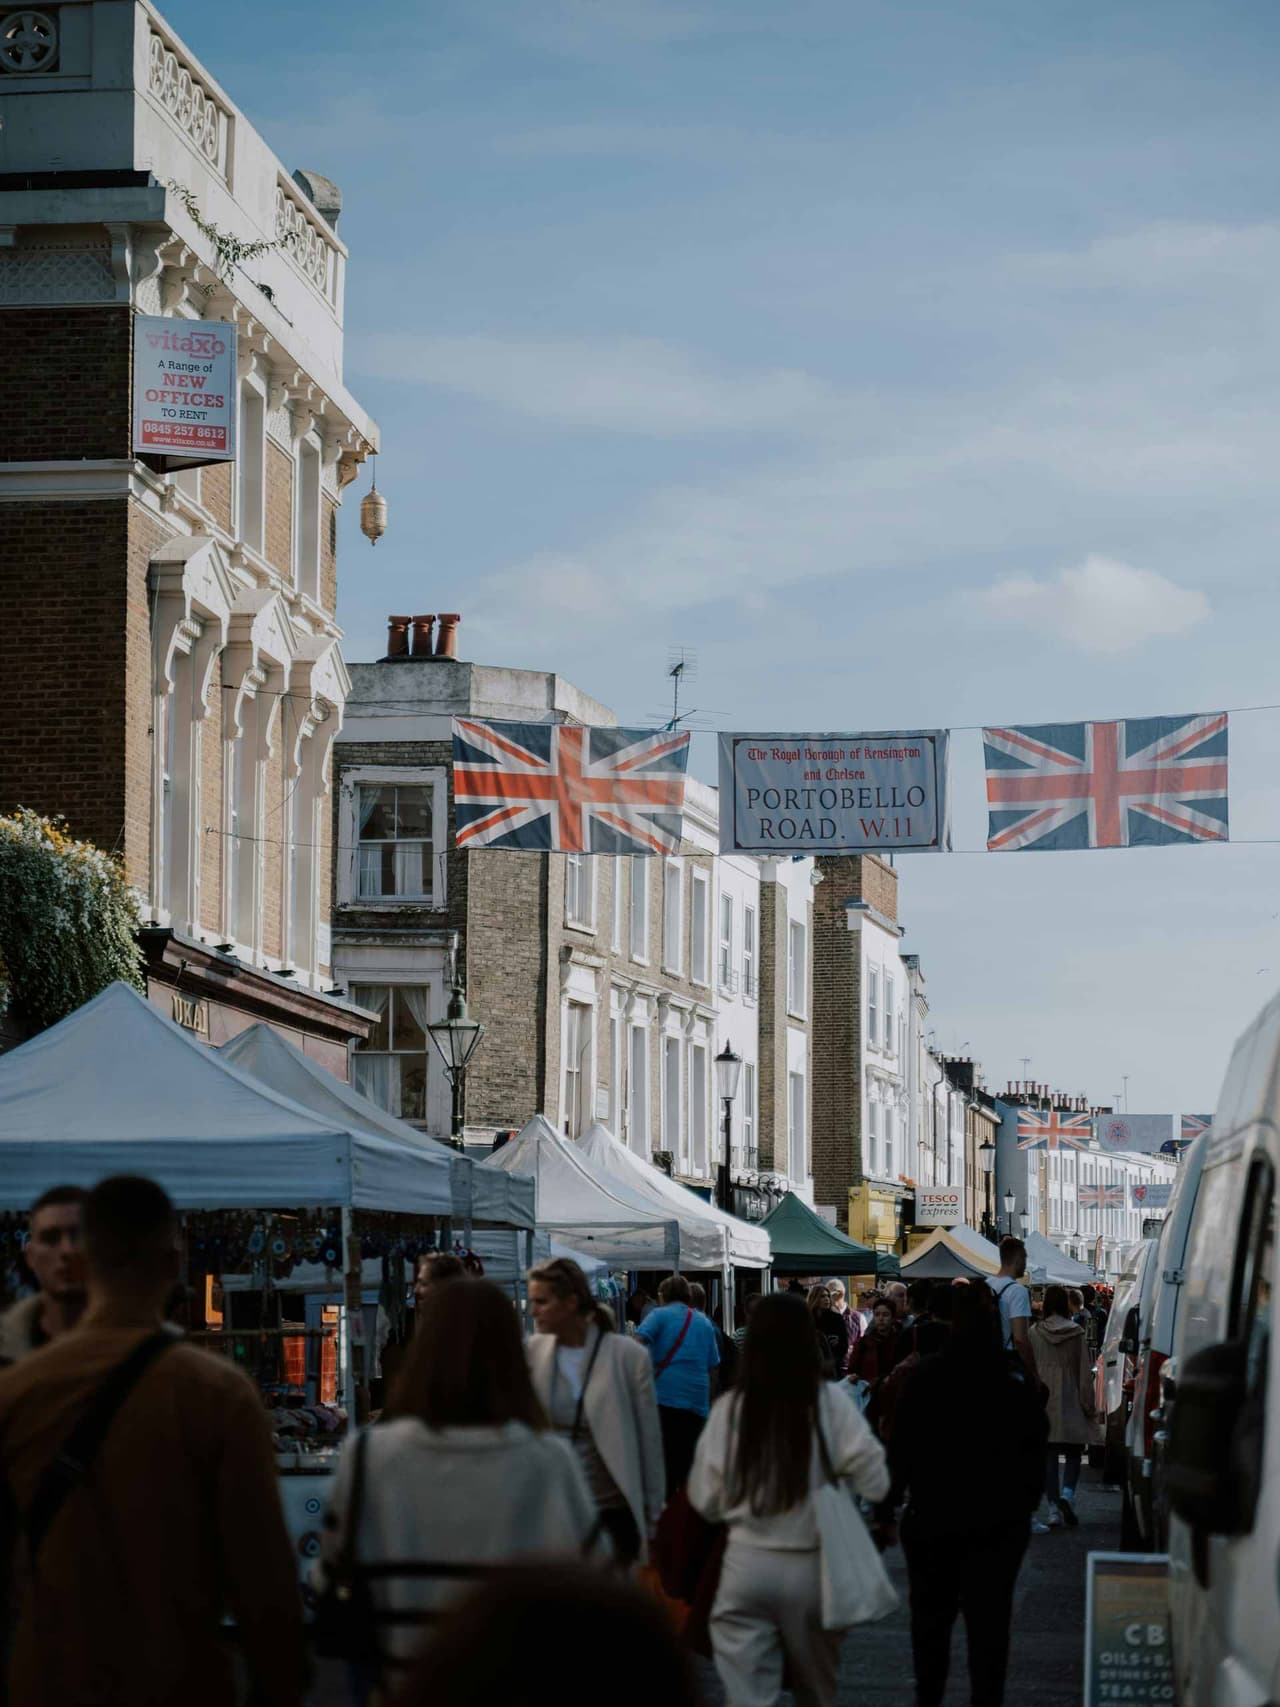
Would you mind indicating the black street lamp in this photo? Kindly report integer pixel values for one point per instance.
(728, 1070)
(1024, 1222)
(987, 1160)
(456, 1037)
(1010, 1203)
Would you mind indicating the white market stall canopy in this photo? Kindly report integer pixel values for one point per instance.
(118, 1088)
(582, 1206)
(950, 1253)
(482, 1195)
(1048, 1266)
(704, 1228)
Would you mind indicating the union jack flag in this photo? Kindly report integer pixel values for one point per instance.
(569, 789)
(1136, 783)
(1050, 1129)
(1101, 1196)
(1195, 1126)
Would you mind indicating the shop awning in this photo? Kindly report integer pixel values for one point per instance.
(478, 1194)
(582, 1205)
(1048, 1266)
(704, 1227)
(116, 1087)
(803, 1243)
(951, 1253)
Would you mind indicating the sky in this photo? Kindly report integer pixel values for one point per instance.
(911, 365)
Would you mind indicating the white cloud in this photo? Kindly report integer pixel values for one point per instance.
(1165, 256)
(1101, 605)
(630, 385)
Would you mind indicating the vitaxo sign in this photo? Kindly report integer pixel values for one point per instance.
(184, 389)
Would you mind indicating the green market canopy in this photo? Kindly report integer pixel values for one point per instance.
(803, 1243)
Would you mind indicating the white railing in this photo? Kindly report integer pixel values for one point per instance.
(188, 101)
(306, 244)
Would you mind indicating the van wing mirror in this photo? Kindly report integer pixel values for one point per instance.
(1201, 1467)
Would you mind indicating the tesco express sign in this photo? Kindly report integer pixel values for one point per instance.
(939, 1208)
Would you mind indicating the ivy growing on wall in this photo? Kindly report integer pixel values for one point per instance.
(67, 920)
(229, 250)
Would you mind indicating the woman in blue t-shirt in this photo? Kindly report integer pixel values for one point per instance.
(682, 1344)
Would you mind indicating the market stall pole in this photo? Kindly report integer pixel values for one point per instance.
(353, 1318)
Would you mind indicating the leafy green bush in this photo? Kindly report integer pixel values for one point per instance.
(67, 920)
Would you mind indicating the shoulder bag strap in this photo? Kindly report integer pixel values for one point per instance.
(688, 1317)
(586, 1382)
(75, 1458)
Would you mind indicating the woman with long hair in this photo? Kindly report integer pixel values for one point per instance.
(596, 1386)
(1060, 1347)
(462, 1473)
(833, 1335)
(778, 1436)
(968, 1452)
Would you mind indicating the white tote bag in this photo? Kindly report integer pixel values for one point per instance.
(855, 1585)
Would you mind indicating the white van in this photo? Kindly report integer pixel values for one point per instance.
(1113, 1373)
(1221, 1467)
(1143, 1519)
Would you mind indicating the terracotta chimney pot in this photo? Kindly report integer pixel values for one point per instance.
(447, 642)
(398, 637)
(422, 627)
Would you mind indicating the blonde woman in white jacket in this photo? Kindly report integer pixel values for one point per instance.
(757, 1464)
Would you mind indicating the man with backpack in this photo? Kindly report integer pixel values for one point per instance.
(141, 1504)
(1015, 1305)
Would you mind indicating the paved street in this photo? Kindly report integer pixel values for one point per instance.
(1048, 1640)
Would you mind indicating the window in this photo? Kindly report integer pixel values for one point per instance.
(638, 1091)
(615, 1076)
(672, 1137)
(395, 841)
(673, 917)
(639, 907)
(698, 925)
(873, 1145)
(577, 1044)
(749, 1156)
(391, 1067)
(889, 1023)
(306, 533)
(798, 1161)
(873, 1006)
(579, 887)
(890, 1138)
(251, 467)
(619, 899)
(797, 970)
(749, 952)
(726, 942)
(698, 1108)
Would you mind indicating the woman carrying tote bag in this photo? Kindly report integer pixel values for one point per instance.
(778, 1463)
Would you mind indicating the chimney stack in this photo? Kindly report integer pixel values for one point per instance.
(447, 642)
(397, 637)
(422, 627)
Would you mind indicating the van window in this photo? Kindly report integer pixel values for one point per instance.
(1251, 1290)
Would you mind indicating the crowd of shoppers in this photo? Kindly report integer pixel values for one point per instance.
(513, 1482)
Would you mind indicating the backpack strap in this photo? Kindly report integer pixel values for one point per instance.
(71, 1467)
(679, 1341)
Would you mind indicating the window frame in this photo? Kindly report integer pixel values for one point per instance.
(750, 987)
(797, 977)
(888, 1022)
(638, 885)
(747, 1125)
(673, 940)
(724, 943)
(584, 865)
(434, 777)
(393, 986)
(797, 1148)
(873, 1007)
(700, 941)
(637, 1102)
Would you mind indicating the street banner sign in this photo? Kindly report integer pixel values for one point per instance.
(829, 794)
(568, 789)
(940, 1208)
(1147, 1134)
(184, 389)
(1127, 1656)
(1154, 1195)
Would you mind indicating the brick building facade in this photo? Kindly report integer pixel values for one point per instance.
(606, 984)
(172, 635)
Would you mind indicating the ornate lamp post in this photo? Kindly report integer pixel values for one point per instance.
(456, 1037)
(987, 1160)
(1010, 1203)
(1024, 1221)
(728, 1071)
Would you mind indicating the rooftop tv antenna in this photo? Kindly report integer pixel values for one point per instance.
(682, 666)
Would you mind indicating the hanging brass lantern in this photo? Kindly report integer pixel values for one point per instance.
(373, 510)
